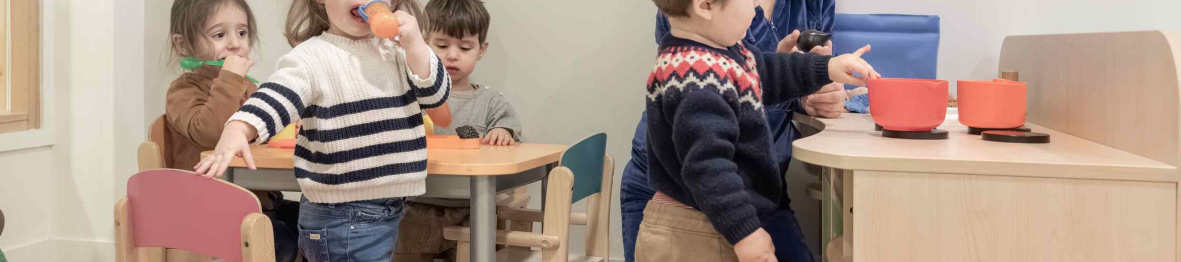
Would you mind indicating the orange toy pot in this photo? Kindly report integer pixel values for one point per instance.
(912, 105)
(997, 104)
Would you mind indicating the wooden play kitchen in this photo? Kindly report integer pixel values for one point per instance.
(1104, 189)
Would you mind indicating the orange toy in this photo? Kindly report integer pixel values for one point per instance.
(286, 143)
(381, 19)
(451, 142)
(915, 105)
(996, 104)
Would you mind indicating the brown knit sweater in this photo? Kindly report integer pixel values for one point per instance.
(198, 105)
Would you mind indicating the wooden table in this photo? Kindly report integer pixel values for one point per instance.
(482, 167)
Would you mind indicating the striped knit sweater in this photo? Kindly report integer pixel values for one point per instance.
(709, 145)
(362, 136)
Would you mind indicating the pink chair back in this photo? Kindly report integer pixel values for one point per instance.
(181, 210)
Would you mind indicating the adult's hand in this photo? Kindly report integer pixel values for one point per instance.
(829, 102)
(788, 45)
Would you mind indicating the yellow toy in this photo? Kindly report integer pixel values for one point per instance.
(287, 132)
(428, 125)
(285, 138)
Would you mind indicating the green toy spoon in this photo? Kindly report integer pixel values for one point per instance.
(190, 63)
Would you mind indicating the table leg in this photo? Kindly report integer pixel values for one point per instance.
(229, 177)
(545, 184)
(483, 219)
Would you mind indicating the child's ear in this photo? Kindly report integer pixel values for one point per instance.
(703, 8)
(178, 44)
(483, 49)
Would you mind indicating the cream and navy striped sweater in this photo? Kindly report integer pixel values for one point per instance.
(362, 136)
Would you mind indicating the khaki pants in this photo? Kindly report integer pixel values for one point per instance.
(673, 233)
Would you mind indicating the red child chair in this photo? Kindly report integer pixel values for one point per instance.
(167, 210)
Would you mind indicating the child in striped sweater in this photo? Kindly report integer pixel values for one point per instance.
(362, 146)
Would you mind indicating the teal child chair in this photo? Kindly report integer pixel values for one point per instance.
(585, 172)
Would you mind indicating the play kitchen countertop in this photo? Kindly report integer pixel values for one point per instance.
(851, 143)
(1104, 189)
(966, 199)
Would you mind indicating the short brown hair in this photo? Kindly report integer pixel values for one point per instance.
(188, 21)
(458, 18)
(308, 18)
(677, 8)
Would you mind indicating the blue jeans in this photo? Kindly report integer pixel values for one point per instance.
(787, 237)
(634, 194)
(353, 231)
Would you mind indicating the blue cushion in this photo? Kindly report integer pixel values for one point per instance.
(904, 46)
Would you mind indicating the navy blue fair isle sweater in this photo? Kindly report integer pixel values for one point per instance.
(709, 146)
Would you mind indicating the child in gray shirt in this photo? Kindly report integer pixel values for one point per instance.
(484, 109)
(457, 31)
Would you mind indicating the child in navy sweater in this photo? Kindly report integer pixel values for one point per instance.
(709, 143)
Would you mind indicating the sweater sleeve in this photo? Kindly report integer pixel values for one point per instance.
(502, 115)
(433, 89)
(280, 100)
(705, 130)
(790, 76)
(198, 117)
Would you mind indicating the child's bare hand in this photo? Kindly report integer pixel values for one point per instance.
(756, 247)
(408, 28)
(233, 143)
(237, 64)
(842, 68)
(498, 137)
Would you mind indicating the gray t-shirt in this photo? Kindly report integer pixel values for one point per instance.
(484, 110)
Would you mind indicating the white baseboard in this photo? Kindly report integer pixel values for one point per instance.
(53, 250)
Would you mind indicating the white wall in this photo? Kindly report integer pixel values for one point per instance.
(86, 192)
(972, 30)
(26, 196)
(570, 74)
(61, 196)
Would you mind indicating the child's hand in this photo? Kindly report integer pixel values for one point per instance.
(417, 52)
(237, 64)
(408, 28)
(498, 137)
(234, 142)
(756, 247)
(842, 68)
